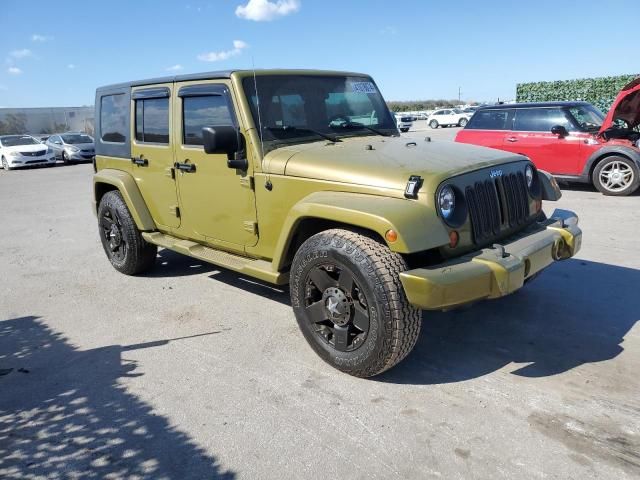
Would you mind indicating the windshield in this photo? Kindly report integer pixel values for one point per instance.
(587, 117)
(75, 138)
(304, 108)
(15, 140)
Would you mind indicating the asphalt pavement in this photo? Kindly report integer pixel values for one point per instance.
(194, 372)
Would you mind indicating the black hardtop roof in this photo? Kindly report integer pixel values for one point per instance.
(220, 75)
(533, 105)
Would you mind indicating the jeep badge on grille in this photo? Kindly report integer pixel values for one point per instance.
(495, 173)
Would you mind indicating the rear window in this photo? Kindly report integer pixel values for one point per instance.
(113, 118)
(489, 120)
(152, 120)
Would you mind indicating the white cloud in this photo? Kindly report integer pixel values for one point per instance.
(264, 10)
(14, 70)
(238, 46)
(22, 53)
(40, 38)
(174, 68)
(71, 66)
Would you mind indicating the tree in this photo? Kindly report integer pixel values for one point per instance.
(14, 124)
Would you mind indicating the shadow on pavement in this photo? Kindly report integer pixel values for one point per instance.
(63, 414)
(576, 312)
(173, 264)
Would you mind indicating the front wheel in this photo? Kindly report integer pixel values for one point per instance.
(5, 164)
(65, 159)
(433, 124)
(349, 303)
(127, 251)
(617, 176)
(462, 122)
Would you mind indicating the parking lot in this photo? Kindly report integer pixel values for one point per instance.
(195, 372)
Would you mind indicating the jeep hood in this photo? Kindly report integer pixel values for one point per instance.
(384, 162)
(626, 106)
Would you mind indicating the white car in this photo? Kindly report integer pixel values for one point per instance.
(24, 151)
(404, 122)
(448, 117)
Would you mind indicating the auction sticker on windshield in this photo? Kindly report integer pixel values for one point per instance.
(363, 87)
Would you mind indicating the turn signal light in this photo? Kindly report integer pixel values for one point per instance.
(453, 239)
(391, 236)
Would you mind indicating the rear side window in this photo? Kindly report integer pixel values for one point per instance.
(540, 119)
(489, 120)
(152, 120)
(113, 118)
(205, 111)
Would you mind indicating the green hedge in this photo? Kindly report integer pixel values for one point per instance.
(600, 92)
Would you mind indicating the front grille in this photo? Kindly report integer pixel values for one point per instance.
(33, 154)
(89, 150)
(493, 204)
(516, 194)
(482, 201)
(34, 161)
(406, 119)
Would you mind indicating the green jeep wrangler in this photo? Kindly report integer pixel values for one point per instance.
(300, 177)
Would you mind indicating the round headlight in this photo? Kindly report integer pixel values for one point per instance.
(528, 174)
(446, 202)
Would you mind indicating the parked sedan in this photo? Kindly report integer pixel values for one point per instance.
(72, 147)
(24, 151)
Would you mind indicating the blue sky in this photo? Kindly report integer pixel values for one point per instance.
(57, 53)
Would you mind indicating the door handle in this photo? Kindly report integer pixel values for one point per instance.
(142, 162)
(185, 167)
(512, 139)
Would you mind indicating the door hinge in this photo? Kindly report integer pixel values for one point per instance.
(250, 226)
(247, 182)
(175, 210)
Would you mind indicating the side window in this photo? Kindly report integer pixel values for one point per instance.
(489, 120)
(446, 112)
(152, 120)
(113, 118)
(204, 111)
(540, 119)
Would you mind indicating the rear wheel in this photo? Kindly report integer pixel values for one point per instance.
(349, 302)
(127, 251)
(433, 124)
(617, 176)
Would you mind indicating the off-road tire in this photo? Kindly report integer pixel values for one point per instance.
(139, 255)
(463, 122)
(394, 325)
(433, 124)
(606, 163)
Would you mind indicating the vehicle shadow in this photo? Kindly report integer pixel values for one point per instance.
(277, 293)
(173, 264)
(576, 312)
(587, 187)
(63, 414)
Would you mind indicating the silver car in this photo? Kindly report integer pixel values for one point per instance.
(72, 147)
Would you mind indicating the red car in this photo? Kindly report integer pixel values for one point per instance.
(572, 140)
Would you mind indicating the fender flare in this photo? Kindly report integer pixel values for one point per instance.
(417, 225)
(130, 192)
(607, 151)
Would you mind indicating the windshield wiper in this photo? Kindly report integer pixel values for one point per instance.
(362, 125)
(291, 128)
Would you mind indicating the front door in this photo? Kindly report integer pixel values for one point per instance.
(152, 153)
(217, 203)
(531, 136)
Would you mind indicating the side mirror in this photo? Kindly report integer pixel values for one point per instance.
(559, 130)
(226, 139)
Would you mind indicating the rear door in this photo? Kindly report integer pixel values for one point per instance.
(217, 203)
(152, 152)
(531, 136)
(487, 128)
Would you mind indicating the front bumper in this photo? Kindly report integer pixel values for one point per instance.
(23, 161)
(494, 272)
(80, 156)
